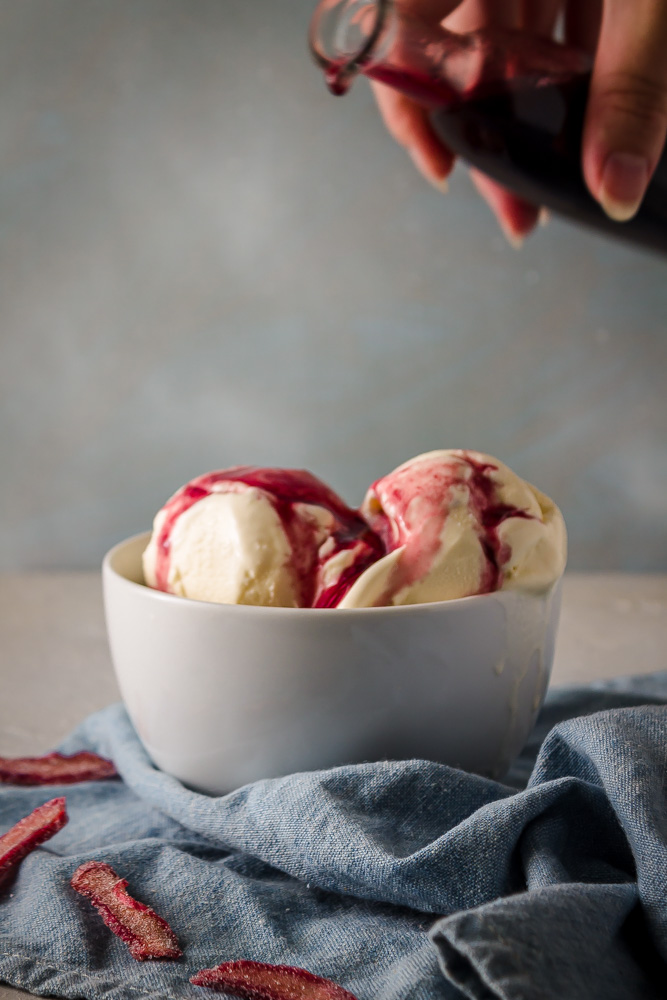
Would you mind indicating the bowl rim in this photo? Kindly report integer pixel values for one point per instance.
(431, 607)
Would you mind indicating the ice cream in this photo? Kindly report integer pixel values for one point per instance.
(446, 524)
(245, 535)
(454, 524)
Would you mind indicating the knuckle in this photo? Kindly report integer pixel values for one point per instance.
(635, 96)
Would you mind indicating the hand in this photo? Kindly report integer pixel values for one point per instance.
(626, 118)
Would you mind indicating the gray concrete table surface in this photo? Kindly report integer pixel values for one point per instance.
(55, 667)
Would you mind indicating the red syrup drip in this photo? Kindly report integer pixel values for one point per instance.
(336, 79)
(491, 514)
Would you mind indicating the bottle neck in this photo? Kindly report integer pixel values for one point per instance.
(388, 43)
(346, 36)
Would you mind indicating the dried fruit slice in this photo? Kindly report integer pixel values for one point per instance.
(259, 981)
(145, 933)
(55, 769)
(30, 832)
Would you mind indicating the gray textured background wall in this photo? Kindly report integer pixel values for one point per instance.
(206, 260)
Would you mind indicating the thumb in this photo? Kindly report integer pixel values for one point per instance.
(626, 118)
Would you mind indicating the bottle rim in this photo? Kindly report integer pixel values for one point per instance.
(327, 28)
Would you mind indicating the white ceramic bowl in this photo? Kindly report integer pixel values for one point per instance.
(221, 695)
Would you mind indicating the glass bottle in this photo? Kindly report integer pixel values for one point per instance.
(507, 103)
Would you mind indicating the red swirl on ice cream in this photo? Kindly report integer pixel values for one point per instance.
(444, 525)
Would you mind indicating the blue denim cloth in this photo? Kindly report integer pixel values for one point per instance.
(398, 880)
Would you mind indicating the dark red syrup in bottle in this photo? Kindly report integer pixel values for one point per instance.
(527, 135)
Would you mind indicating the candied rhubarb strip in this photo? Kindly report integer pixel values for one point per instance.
(145, 933)
(259, 981)
(30, 832)
(55, 769)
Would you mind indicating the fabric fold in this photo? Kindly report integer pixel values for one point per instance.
(577, 941)
(401, 880)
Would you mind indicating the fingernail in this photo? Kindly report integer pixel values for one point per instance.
(514, 240)
(439, 183)
(624, 182)
(544, 218)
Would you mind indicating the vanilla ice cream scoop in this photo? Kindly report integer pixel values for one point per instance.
(247, 535)
(457, 523)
